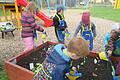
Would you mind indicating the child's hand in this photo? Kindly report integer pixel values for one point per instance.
(74, 69)
(109, 52)
(66, 30)
(93, 38)
(44, 34)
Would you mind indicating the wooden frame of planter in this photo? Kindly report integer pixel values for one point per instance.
(16, 72)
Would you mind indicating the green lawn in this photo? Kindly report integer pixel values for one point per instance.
(3, 75)
(106, 13)
(1, 12)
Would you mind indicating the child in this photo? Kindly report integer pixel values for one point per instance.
(87, 29)
(60, 24)
(113, 48)
(108, 35)
(29, 26)
(57, 64)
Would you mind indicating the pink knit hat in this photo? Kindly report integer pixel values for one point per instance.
(86, 18)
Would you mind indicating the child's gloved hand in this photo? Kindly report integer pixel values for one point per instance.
(44, 34)
(66, 32)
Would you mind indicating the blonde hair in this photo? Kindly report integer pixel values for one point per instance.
(31, 8)
(79, 47)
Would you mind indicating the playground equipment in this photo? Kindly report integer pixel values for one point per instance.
(13, 8)
(16, 6)
(47, 21)
(117, 4)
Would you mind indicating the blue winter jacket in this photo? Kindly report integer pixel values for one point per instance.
(61, 61)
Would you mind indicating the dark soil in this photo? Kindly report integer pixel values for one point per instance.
(87, 66)
(101, 69)
(35, 57)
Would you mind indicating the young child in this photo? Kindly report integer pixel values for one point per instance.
(87, 29)
(60, 24)
(57, 64)
(29, 26)
(108, 35)
(113, 48)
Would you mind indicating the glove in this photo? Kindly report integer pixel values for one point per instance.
(67, 34)
(43, 36)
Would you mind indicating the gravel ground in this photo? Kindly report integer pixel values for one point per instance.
(11, 46)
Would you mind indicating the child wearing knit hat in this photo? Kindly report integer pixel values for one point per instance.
(87, 29)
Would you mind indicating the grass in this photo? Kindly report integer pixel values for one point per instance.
(1, 12)
(3, 75)
(106, 12)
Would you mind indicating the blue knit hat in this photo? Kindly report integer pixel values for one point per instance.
(59, 8)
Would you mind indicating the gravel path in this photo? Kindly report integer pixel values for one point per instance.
(11, 46)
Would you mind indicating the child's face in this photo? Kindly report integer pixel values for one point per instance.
(62, 11)
(112, 32)
(73, 56)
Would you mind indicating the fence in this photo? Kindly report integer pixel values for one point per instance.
(71, 3)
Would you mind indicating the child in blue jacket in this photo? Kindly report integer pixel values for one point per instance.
(57, 64)
(113, 48)
(108, 35)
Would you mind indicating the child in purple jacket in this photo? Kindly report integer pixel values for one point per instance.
(29, 26)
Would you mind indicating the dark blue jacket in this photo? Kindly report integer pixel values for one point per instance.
(61, 61)
(56, 22)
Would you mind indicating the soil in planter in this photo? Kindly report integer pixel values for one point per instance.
(35, 57)
(92, 68)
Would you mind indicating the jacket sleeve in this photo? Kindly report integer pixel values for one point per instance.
(106, 39)
(55, 22)
(78, 29)
(110, 45)
(31, 20)
(94, 30)
(66, 25)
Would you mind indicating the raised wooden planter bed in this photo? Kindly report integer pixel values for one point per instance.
(17, 68)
